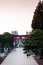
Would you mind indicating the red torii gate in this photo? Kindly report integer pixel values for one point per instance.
(18, 37)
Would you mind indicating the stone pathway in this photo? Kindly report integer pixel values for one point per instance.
(19, 58)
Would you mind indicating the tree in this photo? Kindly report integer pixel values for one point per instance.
(30, 42)
(1, 43)
(8, 40)
(37, 36)
(37, 22)
(35, 42)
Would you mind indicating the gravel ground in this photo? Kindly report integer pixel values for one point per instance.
(3, 57)
(39, 61)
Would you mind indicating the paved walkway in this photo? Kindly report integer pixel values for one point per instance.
(18, 58)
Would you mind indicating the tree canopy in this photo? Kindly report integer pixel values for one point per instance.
(35, 40)
(6, 40)
(37, 22)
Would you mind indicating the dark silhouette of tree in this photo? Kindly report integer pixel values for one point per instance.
(8, 39)
(37, 22)
(35, 41)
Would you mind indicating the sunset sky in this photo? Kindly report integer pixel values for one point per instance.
(16, 15)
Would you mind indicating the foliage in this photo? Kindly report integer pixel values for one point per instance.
(38, 37)
(37, 22)
(35, 40)
(6, 40)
